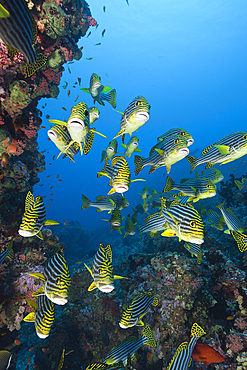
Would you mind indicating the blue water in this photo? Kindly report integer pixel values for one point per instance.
(187, 58)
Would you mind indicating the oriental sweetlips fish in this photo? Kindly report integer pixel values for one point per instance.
(212, 174)
(134, 116)
(60, 136)
(5, 359)
(129, 347)
(129, 226)
(131, 147)
(55, 280)
(119, 175)
(182, 357)
(34, 217)
(232, 222)
(115, 220)
(241, 184)
(167, 152)
(133, 314)
(43, 315)
(216, 220)
(183, 221)
(8, 253)
(19, 33)
(79, 127)
(102, 270)
(223, 151)
(110, 151)
(195, 189)
(153, 224)
(195, 250)
(93, 114)
(206, 354)
(105, 203)
(100, 92)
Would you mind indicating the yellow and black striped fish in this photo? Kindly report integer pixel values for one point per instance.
(183, 221)
(216, 220)
(169, 151)
(115, 220)
(110, 151)
(34, 217)
(93, 114)
(231, 220)
(134, 116)
(130, 225)
(8, 253)
(212, 174)
(129, 347)
(195, 250)
(60, 136)
(182, 357)
(119, 174)
(195, 189)
(55, 280)
(153, 224)
(99, 92)
(5, 359)
(102, 270)
(175, 131)
(226, 150)
(19, 32)
(133, 314)
(43, 315)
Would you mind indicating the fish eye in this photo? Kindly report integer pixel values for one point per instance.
(138, 103)
(208, 186)
(192, 224)
(245, 137)
(182, 133)
(176, 141)
(86, 113)
(101, 272)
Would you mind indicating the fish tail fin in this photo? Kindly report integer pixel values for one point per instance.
(197, 331)
(155, 301)
(103, 171)
(110, 97)
(138, 164)
(39, 63)
(169, 184)
(239, 185)
(192, 162)
(241, 240)
(148, 334)
(85, 202)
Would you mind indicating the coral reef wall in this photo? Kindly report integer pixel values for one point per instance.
(60, 24)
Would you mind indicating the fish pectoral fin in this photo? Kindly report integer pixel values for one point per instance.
(110, 361)
(140, 323)
(168, 233)
(92, 286)
(121, 132)
(51, 222)
(30, 317)
(3, 12)
(124, 145)
(227, 231)
(112, 191)
(160, 151)
(38, 275)
(85, 89)
(223, 149)
(89, 270)
(32, 304)
(106, 89)
(137, 150)
(38, 292)
(96, 132)
(57, 122)
(117, 277)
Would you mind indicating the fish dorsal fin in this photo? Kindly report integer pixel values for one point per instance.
(108, 252)
(196, 175)
(29, 202)
(99, 197)
(115, 160)
(32, 304)
(197, 331)
(205, 151)
(174, 203)
(230, 211)
(147, 219)
(184, 180)
(132, 338)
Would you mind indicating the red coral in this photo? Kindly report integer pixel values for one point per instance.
(16, 147)
(234, 342)
(53, 76)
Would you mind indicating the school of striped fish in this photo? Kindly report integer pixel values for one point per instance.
(176, 215)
